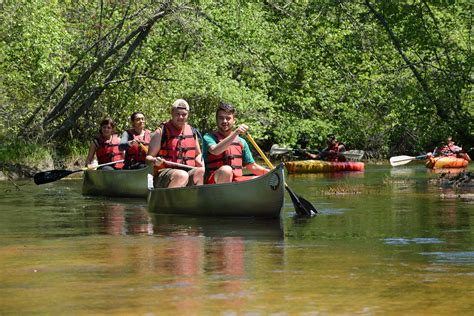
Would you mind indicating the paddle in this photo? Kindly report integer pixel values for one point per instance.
(275, 150)
(403, 160)
(354, 155)
(54, 175)
(169, 163)
(302, 206)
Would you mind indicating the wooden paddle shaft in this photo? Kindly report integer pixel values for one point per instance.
(101, 165)
(169, 163)
(179, 165)
(260, 151)
(305, 208)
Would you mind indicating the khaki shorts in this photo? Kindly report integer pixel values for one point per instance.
(163, 178)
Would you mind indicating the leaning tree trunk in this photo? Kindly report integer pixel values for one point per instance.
(399, 48)
(71, 120)
(137, 35)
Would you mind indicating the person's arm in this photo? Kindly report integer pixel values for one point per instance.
(208, 141)
(91, 153)
(249, 162)
(198, 159)
(222, 146)
(153, 150)
(256, 169)
(124, 142)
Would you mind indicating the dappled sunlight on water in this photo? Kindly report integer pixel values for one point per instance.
(395, 247)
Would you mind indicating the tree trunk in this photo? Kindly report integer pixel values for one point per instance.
(71, 120)
(61, 106)
(399, 48)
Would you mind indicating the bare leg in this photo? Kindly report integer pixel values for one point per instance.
(223, 174)
(198, 176)
(178, 179)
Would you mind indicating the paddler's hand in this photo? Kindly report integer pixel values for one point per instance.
(242, 129)
(159, 161)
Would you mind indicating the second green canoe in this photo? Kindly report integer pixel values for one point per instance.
(117, 183)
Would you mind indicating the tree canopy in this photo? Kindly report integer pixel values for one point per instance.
(386, 77)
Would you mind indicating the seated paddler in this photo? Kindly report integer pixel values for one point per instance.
(106, 146)
(334, 150)
(135, 142)
(450, 149)
(174, 151)
(226, 153)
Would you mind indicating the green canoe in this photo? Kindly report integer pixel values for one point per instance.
(117, 183)
(260, 197)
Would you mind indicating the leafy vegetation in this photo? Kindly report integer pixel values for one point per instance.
(23, 153)
(386, 77)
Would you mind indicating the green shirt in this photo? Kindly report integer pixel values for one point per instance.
(209, 140)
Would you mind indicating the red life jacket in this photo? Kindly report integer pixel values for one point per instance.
(333, 151)
(178, 145)
(232, 156)
(135, 153)
(108, 151)
(450, 150)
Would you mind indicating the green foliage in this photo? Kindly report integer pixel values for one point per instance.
(394, 81)
(32, 41)
(22, 153)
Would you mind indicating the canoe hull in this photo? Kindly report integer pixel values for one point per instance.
(260, 197)
(446, 162)
(116, 183)
(319, 166)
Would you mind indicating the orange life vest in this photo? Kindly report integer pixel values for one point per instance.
(232, 156)
(135, 153)
(108, 151)
(178, 145)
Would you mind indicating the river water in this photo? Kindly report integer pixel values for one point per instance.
(385, 241)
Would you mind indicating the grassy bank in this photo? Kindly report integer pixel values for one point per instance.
(42, 156)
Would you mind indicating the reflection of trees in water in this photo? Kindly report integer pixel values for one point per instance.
(454, 217)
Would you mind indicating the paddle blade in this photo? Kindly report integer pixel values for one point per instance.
(401, 160)
(354, 155)
(51, 176)
(275, 150)
(302, 206)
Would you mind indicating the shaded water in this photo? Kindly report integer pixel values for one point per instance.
(390, 244)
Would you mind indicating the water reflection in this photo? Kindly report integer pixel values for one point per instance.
(400, 172)
(465, 257)
(379, 252)
(220, 252)
(247, 228)
(447, 171)
(123, 219)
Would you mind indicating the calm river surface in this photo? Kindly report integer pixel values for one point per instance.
(393, 244)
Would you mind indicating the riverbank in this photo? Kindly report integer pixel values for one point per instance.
(19, 160)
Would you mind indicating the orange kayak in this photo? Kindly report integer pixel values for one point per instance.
(319, 166)
(446, 162)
